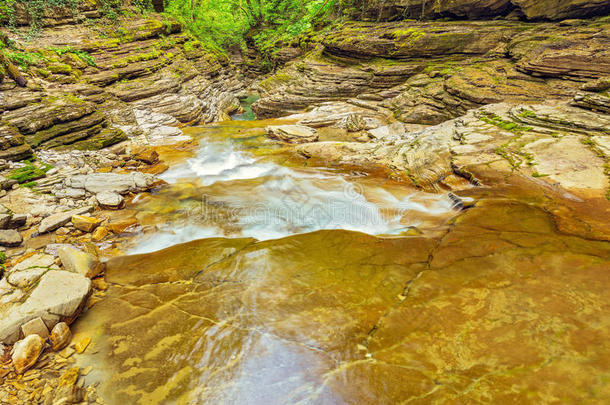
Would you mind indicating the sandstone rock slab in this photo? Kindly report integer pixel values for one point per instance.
(55, 221)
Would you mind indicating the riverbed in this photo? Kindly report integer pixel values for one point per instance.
(265, 277)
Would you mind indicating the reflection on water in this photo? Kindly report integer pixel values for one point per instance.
(243, 195)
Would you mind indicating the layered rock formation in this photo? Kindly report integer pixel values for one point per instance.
(90, 89)
(428, 72)
(481, 9)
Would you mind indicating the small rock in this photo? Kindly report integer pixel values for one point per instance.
(5, 219)
(85, 224)
(67, 352)
(292, 133)
(36, 260)
(110, 200)
(148, 156)
(120, 226)
(76, 261)
(157, 168)
(60, 336)
(99, 234)
(17, 221)
(355, 123)
(35, 327)
(100, 284)
(82, 345)
(62, 231)
(10, 238)
(25, 278)
(26, 352)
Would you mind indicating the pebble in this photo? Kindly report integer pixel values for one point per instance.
(60, 336)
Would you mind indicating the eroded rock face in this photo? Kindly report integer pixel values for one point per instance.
(88, 103)
(429, 72)
(560, 9)
(556, 143)
(484, 9)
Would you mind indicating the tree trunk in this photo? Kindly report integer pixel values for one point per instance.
(11, 70)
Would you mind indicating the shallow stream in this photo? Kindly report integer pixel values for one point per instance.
(268, 279)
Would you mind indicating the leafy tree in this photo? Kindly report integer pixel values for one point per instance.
(226, 23)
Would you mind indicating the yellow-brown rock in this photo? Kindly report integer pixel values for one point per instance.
(26, 352)
(60, 336)
(146, 155)
(120, 226)
(99, 234)
(157, 168)
(84, 223)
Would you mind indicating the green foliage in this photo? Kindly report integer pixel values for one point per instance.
(82, 55)
(493, 119)
(2, 266)
(29, 172)
(23, 59)
(222, 24)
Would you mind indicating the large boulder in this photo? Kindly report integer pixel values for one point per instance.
(59, 296)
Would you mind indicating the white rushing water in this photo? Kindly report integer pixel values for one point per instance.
(281, 201)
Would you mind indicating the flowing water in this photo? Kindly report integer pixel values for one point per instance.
(264, 278)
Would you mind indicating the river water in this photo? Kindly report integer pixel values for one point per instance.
(269, 279)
